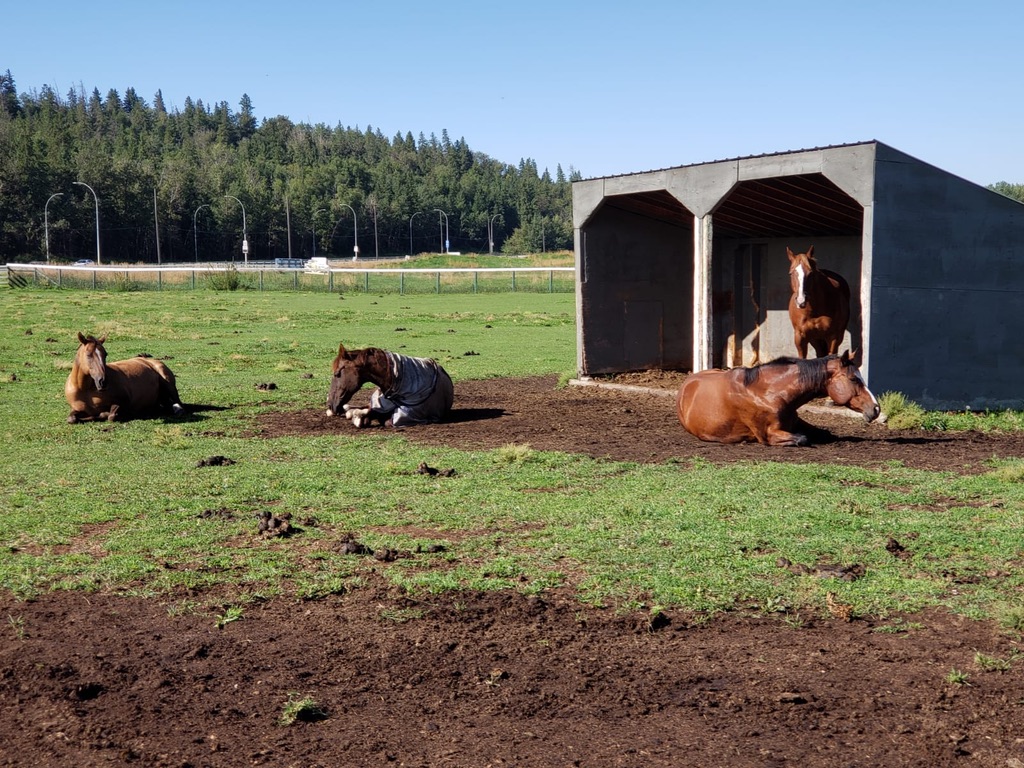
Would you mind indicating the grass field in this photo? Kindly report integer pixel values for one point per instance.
(124, 507)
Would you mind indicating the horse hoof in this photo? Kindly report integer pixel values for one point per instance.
(177, 410)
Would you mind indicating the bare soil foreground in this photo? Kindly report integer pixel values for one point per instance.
(504, 680)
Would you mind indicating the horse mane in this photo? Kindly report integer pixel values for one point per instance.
(811, 373)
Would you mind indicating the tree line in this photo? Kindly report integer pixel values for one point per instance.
(158, 185)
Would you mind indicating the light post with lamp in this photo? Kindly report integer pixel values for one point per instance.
(490, 232)
(318, 210)
(97, 201)
(245, 238)
(410, 229)
(46, 223)
(195, 232)
(355, 232)
(444, 232)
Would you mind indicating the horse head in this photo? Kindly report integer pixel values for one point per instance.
(92, 359)
(800, 266)
(846, 386)
(346, 379)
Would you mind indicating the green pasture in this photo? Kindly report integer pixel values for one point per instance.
(125, 507)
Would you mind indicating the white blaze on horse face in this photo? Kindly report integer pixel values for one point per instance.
(870, 412)
(801, 298)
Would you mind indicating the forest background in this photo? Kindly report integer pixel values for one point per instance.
(192, 184)
(184, 185)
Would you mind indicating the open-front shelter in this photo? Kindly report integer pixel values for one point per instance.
(685, 268)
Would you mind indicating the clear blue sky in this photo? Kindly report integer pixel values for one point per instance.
(604, 88)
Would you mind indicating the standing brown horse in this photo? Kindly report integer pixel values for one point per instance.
(743, 405)
(819, 307)
(410, 390)
(100, 391)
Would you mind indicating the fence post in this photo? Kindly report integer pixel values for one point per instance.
(513, 281)
(437, 283)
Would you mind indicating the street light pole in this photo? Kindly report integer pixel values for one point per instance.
(195, 232)
(318, 210)
(410, 229)
(490, 231)
(355, 233)
(46, 223)
(245, 238)
(156, 227)
(444, 233)
(97, 201)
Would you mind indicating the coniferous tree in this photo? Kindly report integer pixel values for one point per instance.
(195, 161)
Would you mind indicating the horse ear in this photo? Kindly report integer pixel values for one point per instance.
(790, 253)
(101, 339)
(81, 338)
(810, 252)
(341, 349)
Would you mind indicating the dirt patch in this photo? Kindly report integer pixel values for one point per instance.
(506, 680)
(493, 679)
(639, 424)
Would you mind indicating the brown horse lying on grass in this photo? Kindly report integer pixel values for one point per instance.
(410, 390)
(100, 391)
(743, 405)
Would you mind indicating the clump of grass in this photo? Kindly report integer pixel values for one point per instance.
(228, 280)
(901, 413)
(956, 677)
(172, 437)
(897, 626)
(17, 624)
(1012, 619)
(301, 708)
(1010, 472)
(233, 613)
(991, 663)
(513, 453)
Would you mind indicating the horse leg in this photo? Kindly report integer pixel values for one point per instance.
(801, 345)
(111, 415)
(365, 417)
(169, 390)
(784, 439)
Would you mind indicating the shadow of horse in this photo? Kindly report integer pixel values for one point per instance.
(463, 415)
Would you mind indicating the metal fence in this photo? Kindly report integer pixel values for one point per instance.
(267, 277)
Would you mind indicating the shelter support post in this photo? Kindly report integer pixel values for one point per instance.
(702, 237)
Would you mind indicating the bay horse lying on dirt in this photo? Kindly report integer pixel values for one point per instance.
(100, 391)
(743, 405)
(410, 390)
(819, 308)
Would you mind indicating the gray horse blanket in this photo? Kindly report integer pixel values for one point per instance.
(422, 391)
